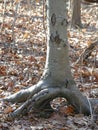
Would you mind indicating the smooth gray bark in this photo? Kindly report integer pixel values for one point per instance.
(57, 61)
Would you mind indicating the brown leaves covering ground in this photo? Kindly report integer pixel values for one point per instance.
(22, 59)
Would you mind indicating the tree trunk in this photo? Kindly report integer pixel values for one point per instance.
(76, 14)
(92, 1)
(56, 80)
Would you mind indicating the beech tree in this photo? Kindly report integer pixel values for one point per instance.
(56, 80)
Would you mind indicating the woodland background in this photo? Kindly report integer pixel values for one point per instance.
(22, 59)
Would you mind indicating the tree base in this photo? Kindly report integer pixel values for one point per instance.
(38, 98)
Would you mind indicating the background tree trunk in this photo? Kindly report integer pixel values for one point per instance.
(76, 14)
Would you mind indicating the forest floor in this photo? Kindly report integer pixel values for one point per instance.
(22, 59)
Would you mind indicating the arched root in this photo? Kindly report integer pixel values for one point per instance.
(40, 100)
(25, 94)
(39, 97)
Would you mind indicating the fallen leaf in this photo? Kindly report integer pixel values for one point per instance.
(8, 110)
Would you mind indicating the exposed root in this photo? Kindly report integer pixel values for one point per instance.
(18, 97)
(32, 103)
(25, 94)
(40, 100)
(39, 97)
